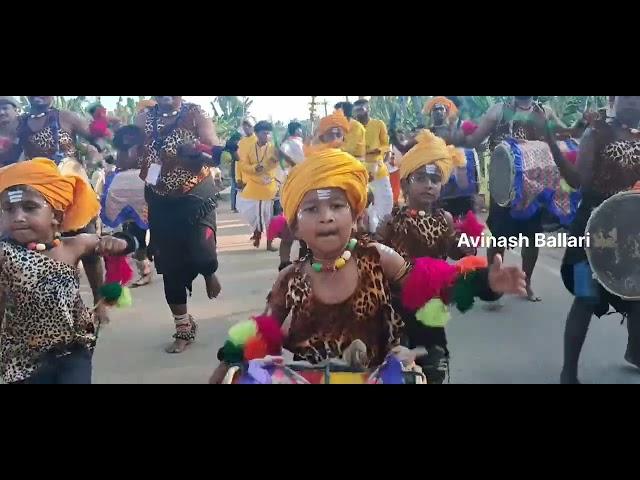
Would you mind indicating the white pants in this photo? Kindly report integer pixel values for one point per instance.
(257, 213)
(382, 202)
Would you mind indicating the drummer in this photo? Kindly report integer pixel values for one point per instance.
(608, 163)
(38, 137)
(519, 119)
(339, 297)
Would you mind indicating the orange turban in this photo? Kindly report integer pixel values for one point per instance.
(323, 169)
(449, 105)
(144, 104)
(69, 194)
(337, 119)
(430, 150)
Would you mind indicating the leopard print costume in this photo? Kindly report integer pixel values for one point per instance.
(44, 311)
(42, 142)
(174, 178)
(418, 236)
(320, 331)
(618, 169)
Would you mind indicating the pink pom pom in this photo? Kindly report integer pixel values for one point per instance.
(270, 331)
(276, 227)
(470, 226)
(255, 349)
(572, 156)
(118, 270)
(468, 127)
(99, 128)
(429, 279)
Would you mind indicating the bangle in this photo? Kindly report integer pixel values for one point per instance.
(132, 242)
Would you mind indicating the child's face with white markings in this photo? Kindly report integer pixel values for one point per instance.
(25, 216)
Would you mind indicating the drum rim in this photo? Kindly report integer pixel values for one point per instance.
(588, 250)
(512, 194)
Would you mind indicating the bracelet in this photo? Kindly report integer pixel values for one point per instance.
(132, 242)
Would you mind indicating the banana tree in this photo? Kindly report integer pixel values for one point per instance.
(228, 113)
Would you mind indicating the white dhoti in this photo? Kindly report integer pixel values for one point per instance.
(257, 213)
(382, 202)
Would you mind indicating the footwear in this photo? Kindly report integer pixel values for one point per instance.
(436, 366)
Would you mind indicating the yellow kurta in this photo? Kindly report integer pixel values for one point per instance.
(243, 146)
(259, 186)
(377, 138)
(355, 142)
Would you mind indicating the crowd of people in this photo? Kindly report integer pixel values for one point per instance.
(378, 213)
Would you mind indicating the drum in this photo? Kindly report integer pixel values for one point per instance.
(613, 249)
(464, 181)
(123, 200)
(524, 177)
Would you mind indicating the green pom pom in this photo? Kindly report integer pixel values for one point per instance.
(125, 300)
(232, 353)
(240, 333)
(464, 292)
(566, 188)
(111, 292)
(434, 314)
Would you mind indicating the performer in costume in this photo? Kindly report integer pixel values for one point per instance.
(340, 295)
(244, 145)
(419, 229)
(10, 149)
(521, 120)
(259, 163)
(608, 163)
(51, 133)
(180, 146)
(355, 142)
(47, 334)
(378, 150)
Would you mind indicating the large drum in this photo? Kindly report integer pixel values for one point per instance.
(613, 249)
(465, 181)
(123, 200)
(524, 177)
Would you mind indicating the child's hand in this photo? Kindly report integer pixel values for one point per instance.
(507, 280)
(111, 246)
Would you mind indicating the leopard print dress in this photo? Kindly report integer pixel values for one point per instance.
(44, 312)
(42, 143)
(175, 178)
(319, 331)
(415, 236)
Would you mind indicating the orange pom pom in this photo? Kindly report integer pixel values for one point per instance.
(255, 349)
(471, 264)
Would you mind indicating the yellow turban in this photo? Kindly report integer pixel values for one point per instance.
(324, 169)
(449, 105)
(69, 194)
(430, 150)
(337, 119)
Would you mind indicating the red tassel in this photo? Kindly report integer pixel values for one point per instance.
(118, 270)
(429, 279)
(270, 331)
(276, 227)
(468, 127)
(470, 226)
(255, 349)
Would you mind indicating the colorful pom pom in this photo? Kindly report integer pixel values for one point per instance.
(434, 314)
(255, 349)
(429, 278)
(471, 264)
(270, 331)
(276, 227)
(464, 292)
(231, 353)
(239, 334)
(468, 127)
(125, 300)
(118, 270)
(470, 226)
(111, 292)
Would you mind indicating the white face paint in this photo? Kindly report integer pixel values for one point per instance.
(431, 170)
(15, 196)
(323, 194)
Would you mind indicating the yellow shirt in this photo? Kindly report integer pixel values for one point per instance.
(260, 186)
(377, 138)
(354, 141)
(243, 146)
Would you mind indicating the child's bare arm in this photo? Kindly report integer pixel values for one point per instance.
(89, 244)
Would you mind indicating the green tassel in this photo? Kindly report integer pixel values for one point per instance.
(231, 353)
(434, 314)
(464, 292)
(125, 300)
(111, 292)
(240, 333)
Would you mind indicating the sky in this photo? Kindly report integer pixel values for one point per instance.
(283, 108)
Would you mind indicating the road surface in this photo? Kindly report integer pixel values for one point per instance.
(522, 343)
